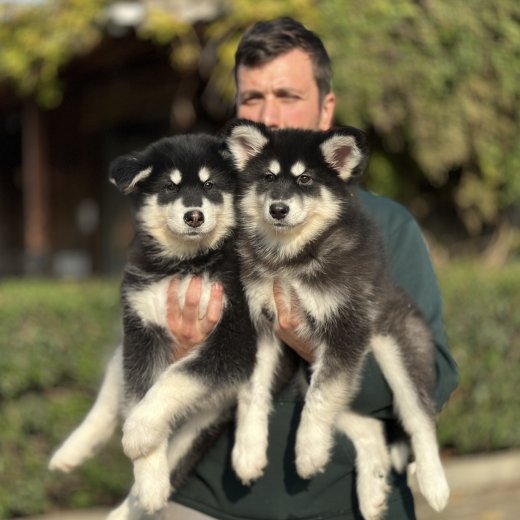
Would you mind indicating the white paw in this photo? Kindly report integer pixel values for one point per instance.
(152, 481)
(143, 432)
(313, 446)
(153, 494)
(68, 457)
(312, 456)
(432, 483)
(249, 461)
(373, 489)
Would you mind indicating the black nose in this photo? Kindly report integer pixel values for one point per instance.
(278, 210)
(194, 218)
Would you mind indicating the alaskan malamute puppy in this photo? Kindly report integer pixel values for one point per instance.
(183, 189)
(302, 224)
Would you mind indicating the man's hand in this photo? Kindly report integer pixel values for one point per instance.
(288, 322)
(184, 323)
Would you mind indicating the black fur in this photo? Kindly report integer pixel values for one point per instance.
(302, 224)
(227, 356)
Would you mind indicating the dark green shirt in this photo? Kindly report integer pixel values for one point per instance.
(213, 489)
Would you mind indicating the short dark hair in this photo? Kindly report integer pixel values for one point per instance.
(267, 40)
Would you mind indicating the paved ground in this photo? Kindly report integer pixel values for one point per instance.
(485, 487)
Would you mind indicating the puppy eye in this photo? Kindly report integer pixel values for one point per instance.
(304, 179)
(208, 185)
(269, 177)
(171, 186)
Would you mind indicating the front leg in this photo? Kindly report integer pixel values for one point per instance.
(152, 479)
(170, 399)
(249, 454)
(314, 438)
(152, 485)
(331, 389)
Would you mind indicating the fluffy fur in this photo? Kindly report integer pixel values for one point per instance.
(183, 191)
(302, 224)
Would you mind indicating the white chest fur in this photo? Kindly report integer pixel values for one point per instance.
(320, 304)
(150, 302)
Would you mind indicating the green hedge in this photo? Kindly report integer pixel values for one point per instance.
(56, 336)
(482, 316)
(54, 340)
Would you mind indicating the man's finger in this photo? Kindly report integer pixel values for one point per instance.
(282, 308)
(214, 310)
(190, 311)
(173, 309)
(294, 316)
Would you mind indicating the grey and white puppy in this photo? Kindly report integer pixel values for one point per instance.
(302, 224)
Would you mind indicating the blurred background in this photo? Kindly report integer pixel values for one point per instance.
(435, 85)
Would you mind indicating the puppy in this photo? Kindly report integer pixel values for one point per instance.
(182, 189)
(302, 224)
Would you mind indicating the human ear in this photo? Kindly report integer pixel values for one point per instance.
(328, 105)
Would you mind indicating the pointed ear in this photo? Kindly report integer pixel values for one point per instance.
(127, 171)
(245, 141)
(344, 150)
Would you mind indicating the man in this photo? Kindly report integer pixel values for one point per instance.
(283, 78)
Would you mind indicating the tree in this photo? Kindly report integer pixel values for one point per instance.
(36, 41)
(438, 82)
(435, 83)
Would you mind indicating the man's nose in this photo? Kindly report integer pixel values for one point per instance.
(270, 115)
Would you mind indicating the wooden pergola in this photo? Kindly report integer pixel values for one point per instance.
(36, 201)
(118, 96)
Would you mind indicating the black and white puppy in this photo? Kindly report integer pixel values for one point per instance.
(183, 191)
(302, 224)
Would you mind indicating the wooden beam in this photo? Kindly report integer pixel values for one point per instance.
(36, 191)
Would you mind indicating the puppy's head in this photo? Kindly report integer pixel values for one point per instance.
(183, 192)
(294, 183)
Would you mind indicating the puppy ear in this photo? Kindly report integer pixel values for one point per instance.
(127, 171)
(245, 141)
(344, 150)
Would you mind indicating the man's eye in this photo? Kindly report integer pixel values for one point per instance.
(171, 186)
(208, 185)
(289, 98)
(249, 100)
(304, 179)
(269, 177)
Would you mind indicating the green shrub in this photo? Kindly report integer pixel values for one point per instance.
(56, 336)
(482, 315)
(54, 340)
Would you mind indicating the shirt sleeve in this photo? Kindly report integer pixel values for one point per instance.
(411, 268)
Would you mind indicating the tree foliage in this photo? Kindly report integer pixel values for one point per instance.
(38, 40)
(439, 81)
(213, 49)
(436, 82)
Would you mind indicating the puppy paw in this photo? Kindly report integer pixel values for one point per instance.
(312, 452)
(433, 484)
(249, 462)
(152, 481)
(153, 495)
(68, 457)
(373, 489)
(143, 432)
(310, 464)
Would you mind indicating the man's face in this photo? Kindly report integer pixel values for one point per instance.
(283, 93)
